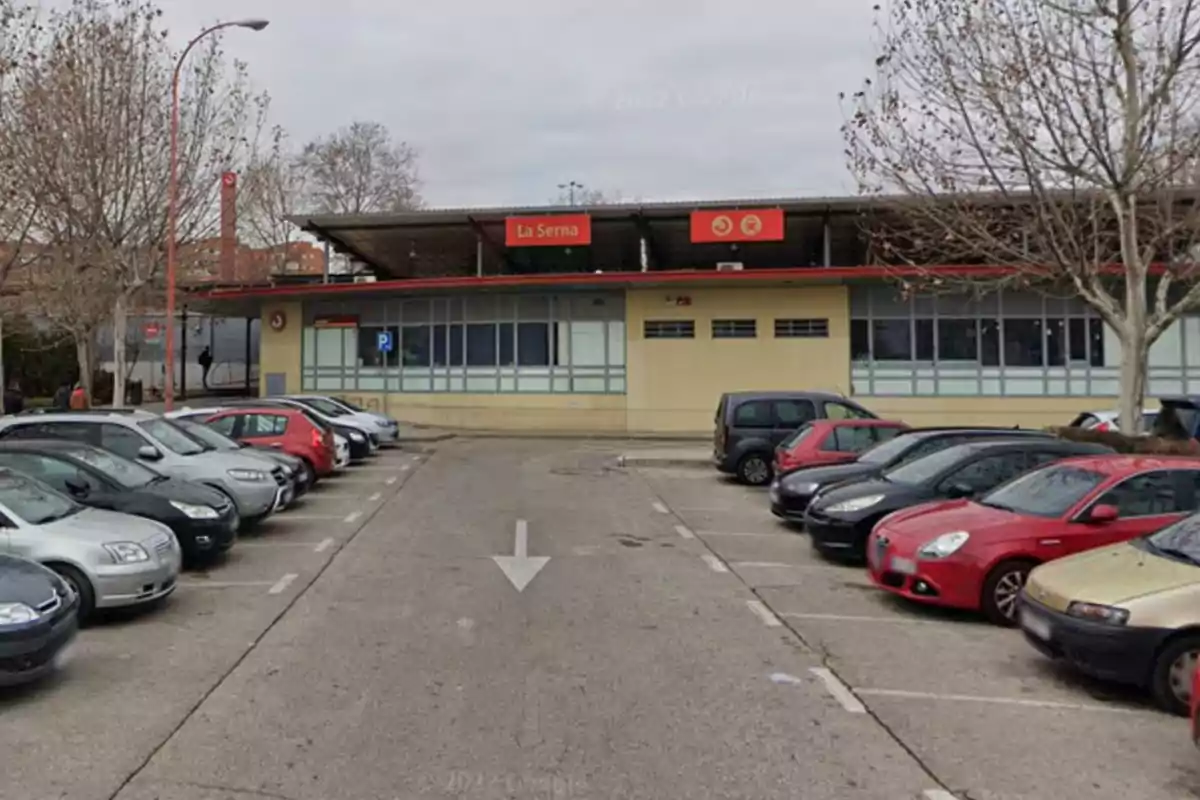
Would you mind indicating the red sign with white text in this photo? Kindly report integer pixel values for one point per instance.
(758, 225)
(558, 230)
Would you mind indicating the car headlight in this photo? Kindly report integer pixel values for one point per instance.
(127, 552)
(16, 614)
(249, 475)
(195, 512)
(857, 504)
(1098, 613)
(945, 545)
(357, 437)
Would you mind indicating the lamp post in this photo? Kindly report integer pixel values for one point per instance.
(173, 202)
(571, 187)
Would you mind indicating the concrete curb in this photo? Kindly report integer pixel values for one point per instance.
(433, 437)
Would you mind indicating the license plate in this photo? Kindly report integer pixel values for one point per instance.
(1035, 624)
(905, 566)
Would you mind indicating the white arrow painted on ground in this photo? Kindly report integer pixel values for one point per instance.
(519, 568)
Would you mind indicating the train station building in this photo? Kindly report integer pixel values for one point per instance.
(635, 318)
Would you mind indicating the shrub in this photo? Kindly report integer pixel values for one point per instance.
(1131, 445)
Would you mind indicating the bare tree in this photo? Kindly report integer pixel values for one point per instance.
(18, 30)
(585, 197)
(274, 186)
(1054, 137)
(94, 111)
(361, 170)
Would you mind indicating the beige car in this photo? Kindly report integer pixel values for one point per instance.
(1128, 613)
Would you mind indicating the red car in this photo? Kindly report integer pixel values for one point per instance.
(288, 429)
(976, 554)
(832, 441)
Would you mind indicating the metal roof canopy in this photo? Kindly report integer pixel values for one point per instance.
(444, 242)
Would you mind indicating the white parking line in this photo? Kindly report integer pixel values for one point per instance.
(222, 584)
(1001, 701)
(307, 517)
(321, 495)
(660, 508)
(783, 535)
(827, 568)
(381, 469)
(283, 583)
(840, 691)
(684, 531)
(292, 543)
(375, 497)
(851, 618)
(714, 563)
(352, 517)
(938, 794)
(391, 480)
(765, 614)
(324, 545)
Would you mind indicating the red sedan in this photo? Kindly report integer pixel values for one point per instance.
(976, 554)
(832, 441)
(285, 428)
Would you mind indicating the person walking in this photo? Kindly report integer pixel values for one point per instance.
(206, 362)
(62, 397)
(14, 399)
(79, 398)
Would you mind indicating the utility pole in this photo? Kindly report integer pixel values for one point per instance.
(570, 187)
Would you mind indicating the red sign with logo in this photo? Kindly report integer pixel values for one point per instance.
(758, 225)
(558, 230)
(152, 330)
(336, 321)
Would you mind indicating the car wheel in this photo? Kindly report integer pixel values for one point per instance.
(308, 475)
(754, 469)
(1174, 668)
(82, 587)
(1000, 591)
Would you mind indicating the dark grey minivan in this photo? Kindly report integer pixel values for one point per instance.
(748, 426)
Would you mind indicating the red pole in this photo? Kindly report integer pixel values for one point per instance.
(173, 206)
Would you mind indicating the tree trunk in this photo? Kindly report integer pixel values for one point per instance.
(120, 323)
(83, 355)
(1135, 355)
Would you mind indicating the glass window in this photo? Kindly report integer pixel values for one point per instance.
(481, 345)
(52, 471)
(226, 424)
(1023, 342)
(989, 342)
(860, 340)
(958, 340)
(33, 501)
(206, 435)
(1048, 492)
(796, 437)
(329, 347)
(830, 445)
(448, 345)
(734, 328)
(854, 439)
(1096, 334)
(505, 331)
(533, 344)
(892, 340)
(320, 404)
(918, 470)
(1145, 495)
(753, 414)
(369, 354)
(123, 441)
(265, 425)
(415, 345)
(1181, 538)
(588, 343)
(793, 413)
(924, 339)
(836, 411)
(129, 474)
(1077, 334)
(988, 472)
(170, 436)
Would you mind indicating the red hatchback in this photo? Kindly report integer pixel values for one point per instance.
(828, 441)
(290, 430)
(976, 554)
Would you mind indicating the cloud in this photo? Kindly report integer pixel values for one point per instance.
(666, 100)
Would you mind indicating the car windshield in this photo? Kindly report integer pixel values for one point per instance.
(33, 501)
(1180, 540)
(888, 452)
(129, 474)
(172, 437)
(324, 406)
(349, 405)
(925, 469)
(1048, 492)
(797, 437)
(207, 435)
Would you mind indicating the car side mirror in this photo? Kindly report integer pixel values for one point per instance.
(148, 453)
(956, 491)
(77, 487)
(1103, 513)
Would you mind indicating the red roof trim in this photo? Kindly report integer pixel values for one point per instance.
(603, 279)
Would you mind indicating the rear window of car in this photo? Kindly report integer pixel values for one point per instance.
(799, 435)
(1047, 492)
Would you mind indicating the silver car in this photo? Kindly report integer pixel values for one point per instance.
(385, 428)
(255, 489)
(110, 560)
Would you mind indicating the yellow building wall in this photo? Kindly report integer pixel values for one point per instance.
(1027, 412)
(674, 384)
(279, 351)
(583, 413)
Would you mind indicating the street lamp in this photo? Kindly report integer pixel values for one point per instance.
(173, 201)
(571, 187)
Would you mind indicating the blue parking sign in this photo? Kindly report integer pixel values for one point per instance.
(384, 341)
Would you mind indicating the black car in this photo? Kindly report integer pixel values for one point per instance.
(793, 491)
(748, 426)
(297, 472)
(357, 441)
(203, 519)
(38, 620)
(842, 517)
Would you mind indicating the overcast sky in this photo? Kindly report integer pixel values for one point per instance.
(655, 99)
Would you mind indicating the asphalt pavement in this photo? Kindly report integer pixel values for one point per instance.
(526, 619)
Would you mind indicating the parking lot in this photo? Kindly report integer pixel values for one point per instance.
(134, 677)
(975, 704)
(676, 641)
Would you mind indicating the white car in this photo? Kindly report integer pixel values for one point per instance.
(1111, 421)
(385, 429)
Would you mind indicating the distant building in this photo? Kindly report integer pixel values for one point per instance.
(200, 263)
